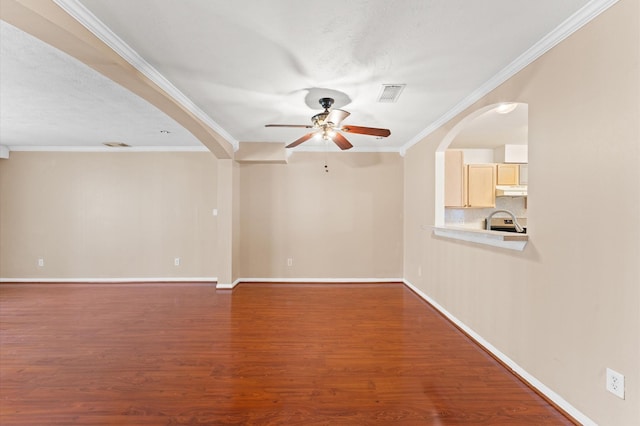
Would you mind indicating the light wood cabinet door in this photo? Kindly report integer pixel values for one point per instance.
(454, 182)
(508, 174)
(481, 185)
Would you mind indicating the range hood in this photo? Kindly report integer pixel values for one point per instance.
(511, 190)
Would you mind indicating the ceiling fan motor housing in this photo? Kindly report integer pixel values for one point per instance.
(326, 103)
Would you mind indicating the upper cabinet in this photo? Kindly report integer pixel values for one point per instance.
(481, 185)
(508, 174)
(454, 175)
(471, 185)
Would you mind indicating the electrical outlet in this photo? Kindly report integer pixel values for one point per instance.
(290, 261)
(615, 383)
(215, 212)
(176, 261)
(40, 262)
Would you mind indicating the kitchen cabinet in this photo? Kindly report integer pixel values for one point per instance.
(508, 174)
(454, 175)
(481, 185)
(471, 185)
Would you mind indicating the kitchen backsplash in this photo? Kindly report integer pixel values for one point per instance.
(474, 218)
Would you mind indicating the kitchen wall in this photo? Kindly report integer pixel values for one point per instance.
(108, 215)
(344, 223)
(567, 307)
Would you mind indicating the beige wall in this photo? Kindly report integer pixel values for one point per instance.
(564, 309)
(108, 215)
(568, 306)
(346, 223)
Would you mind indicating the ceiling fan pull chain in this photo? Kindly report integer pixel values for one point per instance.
(326, 155)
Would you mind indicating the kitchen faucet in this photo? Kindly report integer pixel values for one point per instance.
(515, 221)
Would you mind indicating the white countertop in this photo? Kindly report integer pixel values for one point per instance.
(508, 240)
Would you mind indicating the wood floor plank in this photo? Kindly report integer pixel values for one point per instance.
(262, 354)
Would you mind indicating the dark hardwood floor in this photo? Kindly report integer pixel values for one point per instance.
(262, 354)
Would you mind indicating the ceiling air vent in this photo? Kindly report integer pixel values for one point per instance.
(390, 92)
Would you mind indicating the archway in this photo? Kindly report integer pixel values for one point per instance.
(460, 127)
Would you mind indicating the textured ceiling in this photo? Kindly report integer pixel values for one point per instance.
(51, 99)
(248, 63)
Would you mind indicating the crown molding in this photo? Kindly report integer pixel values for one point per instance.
(583, 16)
(84, 16)
(561, 32)
(17, 148)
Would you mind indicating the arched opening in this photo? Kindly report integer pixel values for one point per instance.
(495, 134)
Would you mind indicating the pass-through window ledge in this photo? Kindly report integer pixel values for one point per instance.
(506, 240)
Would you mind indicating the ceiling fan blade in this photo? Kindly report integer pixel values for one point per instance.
(304, 126)
(373, 131)
(300, 140)
(341, 141)
(336, 116)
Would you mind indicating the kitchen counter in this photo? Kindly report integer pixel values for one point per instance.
(507, 240)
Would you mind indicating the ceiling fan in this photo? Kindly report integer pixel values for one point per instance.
(326, 125)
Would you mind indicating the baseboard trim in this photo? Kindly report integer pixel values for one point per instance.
(515, 368)
(320, 280)
(226, 286)
(222, 286)
(111, 280)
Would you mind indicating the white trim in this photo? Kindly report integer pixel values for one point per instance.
(320, 280)
(573, 23)
(308, 281)
(84, 16)
(30, 148)
(112, 280)
(224, 286)
(516, 369)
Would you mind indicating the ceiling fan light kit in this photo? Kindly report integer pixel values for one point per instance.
(326, 126)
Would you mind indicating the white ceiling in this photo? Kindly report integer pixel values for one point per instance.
(51, 99)
(491, 129)
(248, 63)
